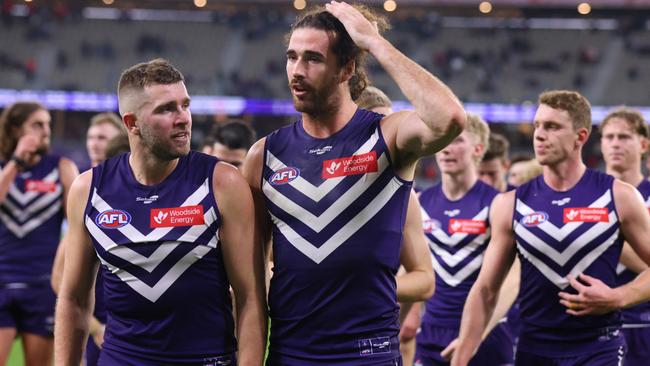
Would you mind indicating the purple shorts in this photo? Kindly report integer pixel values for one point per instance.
(638, 346)
(607, 357)
(496, 349)
(283, 361)
(110, 357)
(28, 308)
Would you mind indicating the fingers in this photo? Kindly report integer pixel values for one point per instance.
(576, 284)
(448, 352)
(588, 279)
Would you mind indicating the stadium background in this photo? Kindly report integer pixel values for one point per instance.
(497, 56)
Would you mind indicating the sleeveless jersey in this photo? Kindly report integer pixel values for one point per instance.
(560, 234)
(165, 287)
(638, 315)
(30, 228)
(457, 233)
(338, 211)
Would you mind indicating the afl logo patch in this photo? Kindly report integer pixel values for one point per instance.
(113, 219)
(534, 219)
(284, 175)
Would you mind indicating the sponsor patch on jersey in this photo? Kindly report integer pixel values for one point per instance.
(586, 214)
(534, 219)
(284, 175)
(113, 219)
(374, 346)
(39, 186)
(431, 225)
(467, 226)
(176, 216)
(352, 165)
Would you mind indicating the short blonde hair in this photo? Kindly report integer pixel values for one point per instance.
(531, 170)
(480, 129)
(372, 98)
(108, 118)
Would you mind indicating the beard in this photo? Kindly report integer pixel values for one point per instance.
(161, 149)
(317, 101)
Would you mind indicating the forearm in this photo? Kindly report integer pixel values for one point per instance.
(251, 332)
(71, 331)
(415, 286)
(505, 298)
(634, 292)
(476, 314)
(433, 101)
(631, 260)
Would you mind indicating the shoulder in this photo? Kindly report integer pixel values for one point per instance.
(81, 184)
(624, 191)
(254, 163)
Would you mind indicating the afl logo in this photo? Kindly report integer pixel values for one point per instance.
(284, 176)
(534, 219)
(113, 219)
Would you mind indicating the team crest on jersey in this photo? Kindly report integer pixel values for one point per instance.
(113, 219)
(586, 214)
(39, 186)
(430, 225)
(355, 164)
(176, 216)
(284, 175)
(534, 219)
(467, 226)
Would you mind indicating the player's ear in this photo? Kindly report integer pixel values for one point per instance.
(583, 136)
(129, 120)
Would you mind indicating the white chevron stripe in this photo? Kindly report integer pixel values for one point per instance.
(308, 189)
(552, 230)
(460, 276)
(154, 293)
(150, 263)
(319, 254)
(318, 223)
(620, 268)
(564, 256)
(22, 214)
(23, 198)
(452, 260)
(134, 234)
(561, 281)
(453, 239)
(22, 230)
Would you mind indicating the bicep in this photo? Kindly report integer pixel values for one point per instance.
(241, 257)
(68, 172)
(634, 220)
(414, 253)
(80, 260)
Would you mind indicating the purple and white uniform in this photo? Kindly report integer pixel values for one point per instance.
(30, 229)
(560, 234)
(166, 290)
(636, 320)
(457, 233)
(338, 211)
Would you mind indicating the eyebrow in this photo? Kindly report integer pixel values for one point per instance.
(316, 54)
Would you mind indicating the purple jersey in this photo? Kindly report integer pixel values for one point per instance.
(458, 233)
(640, 314)
(560, 234)
(338, 211)
(30, 227)
(165, 287)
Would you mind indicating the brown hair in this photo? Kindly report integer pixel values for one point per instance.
(573, 102)
(633, 118)
(108, 118)
(498, 148)
(13, 117)
(155, 72)
(372, 98)
(343, 47)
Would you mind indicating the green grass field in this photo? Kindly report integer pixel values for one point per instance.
(16, 355)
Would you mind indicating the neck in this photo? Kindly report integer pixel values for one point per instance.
(149, 170)
(564, 175)
(631, 176)
(455, 186)
(325, 125)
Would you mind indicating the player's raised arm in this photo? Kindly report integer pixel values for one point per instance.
(75, 299)
(243, 260)
(438, 117)
(482, 298)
